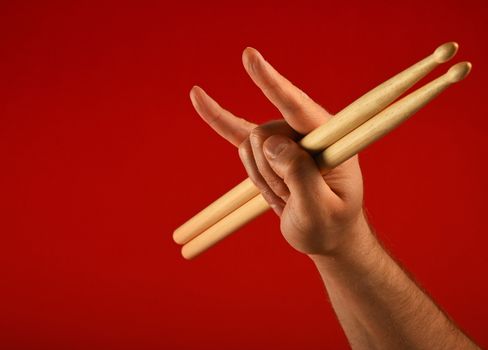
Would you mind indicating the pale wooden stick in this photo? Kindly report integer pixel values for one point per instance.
(223, 228)
(390, 118)
(375, 100)
(345, 121)
(343, 149)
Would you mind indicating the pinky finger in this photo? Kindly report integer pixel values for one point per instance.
(232, 128)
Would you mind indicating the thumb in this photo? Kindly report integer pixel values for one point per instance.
(296, 167)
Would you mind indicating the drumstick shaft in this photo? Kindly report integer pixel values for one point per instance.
(225, 227)
(390, 118)
(343, 149)
(374, 101)
(345, 121)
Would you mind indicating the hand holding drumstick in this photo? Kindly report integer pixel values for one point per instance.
(364, 121)
(377, 304)
(291, 183)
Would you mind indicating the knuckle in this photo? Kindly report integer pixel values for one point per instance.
(279, 187)
(274, 183)
(258, 133)
(266, 192)
(257, 179)
(274, 127)
(269, 128)
(270, 196)
(244, 150)
(261, 184)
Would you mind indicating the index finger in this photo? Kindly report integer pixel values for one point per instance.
(298, 109)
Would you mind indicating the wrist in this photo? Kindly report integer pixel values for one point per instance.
(358, 239)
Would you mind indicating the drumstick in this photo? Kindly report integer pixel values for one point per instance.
(367, 133)
(346, 120)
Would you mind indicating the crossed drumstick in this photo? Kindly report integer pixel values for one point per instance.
(351, 130)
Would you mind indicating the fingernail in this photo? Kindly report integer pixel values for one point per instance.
(273, 146)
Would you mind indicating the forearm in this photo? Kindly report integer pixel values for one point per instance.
(378, 305)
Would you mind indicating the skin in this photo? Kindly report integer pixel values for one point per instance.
(321, 215)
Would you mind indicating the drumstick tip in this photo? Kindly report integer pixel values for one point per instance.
(188, 255)
(446, 51)
(177, 237)
(459, 71)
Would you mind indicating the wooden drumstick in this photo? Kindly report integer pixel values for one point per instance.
(367, 133)
(346, 120)
(388, 119)
(375, 100)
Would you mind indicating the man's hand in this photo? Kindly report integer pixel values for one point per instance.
(319, 213)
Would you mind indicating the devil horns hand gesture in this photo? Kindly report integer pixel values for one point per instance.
(318, 212)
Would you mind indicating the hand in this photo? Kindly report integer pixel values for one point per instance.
(319, 212)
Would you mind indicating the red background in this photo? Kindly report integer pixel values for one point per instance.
(102, 157)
